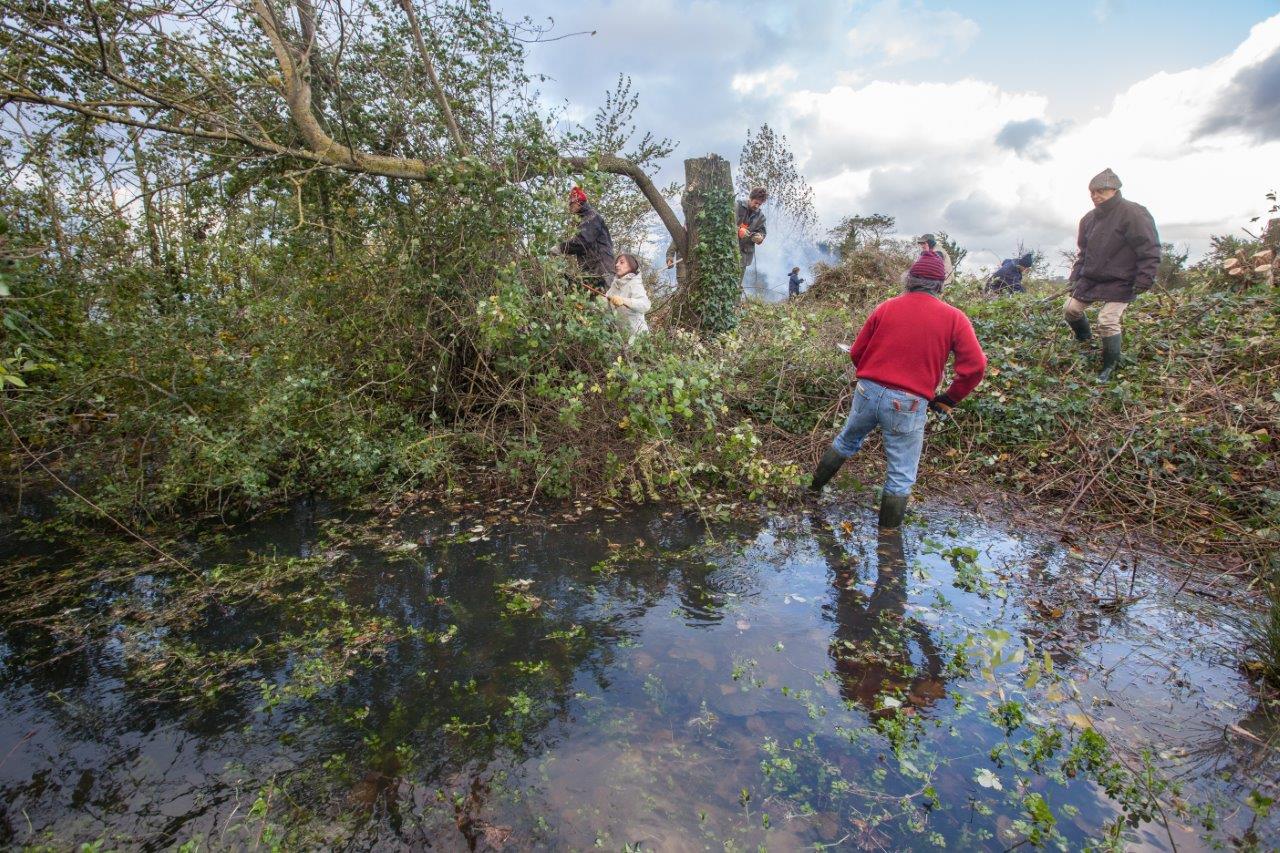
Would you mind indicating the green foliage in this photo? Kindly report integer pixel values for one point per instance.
(715, 300)
(854, 233)
(953, 249)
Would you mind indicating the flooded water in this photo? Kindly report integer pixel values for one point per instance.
(632, 679)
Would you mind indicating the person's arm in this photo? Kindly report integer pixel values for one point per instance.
(970, 364)
(577, 244)
(1145, 242)
(1081, 240)
(759, 231)
(864, 337)
(637, 299)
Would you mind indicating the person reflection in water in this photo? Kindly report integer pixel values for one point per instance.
(878, 650)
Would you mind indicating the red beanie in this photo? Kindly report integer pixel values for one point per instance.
(576, 194)
(929, 266)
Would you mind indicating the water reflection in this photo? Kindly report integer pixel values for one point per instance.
(878, 650)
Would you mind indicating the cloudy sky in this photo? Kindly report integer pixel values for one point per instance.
(982, 119)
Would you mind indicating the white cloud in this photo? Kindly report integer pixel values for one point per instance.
(771, 81)
(899, 33)
(942, 156)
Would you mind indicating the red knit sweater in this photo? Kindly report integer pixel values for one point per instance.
(907, 340)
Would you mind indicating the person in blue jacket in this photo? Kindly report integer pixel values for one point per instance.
(1008, 279)
(793, 282)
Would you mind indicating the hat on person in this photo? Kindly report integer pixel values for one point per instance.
(928, 238)
(1028, 260)
(1105, 180)
(929, 266)
(577, 194)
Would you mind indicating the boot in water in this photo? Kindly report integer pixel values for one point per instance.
(1110, 357)
(828, 465)
(892, 509)
(1081, 328)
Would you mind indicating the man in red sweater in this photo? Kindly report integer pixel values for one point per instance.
(900, 355)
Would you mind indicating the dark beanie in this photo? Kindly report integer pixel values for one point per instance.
(929, 266)
(1028, 260)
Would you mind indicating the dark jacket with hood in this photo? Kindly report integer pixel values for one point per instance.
(754, 220)
(1008, 277)
(592, 245)
(1119, 252)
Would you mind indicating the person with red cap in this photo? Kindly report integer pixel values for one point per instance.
(591, 246)
(900, 355)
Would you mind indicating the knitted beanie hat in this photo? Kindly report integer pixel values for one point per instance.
(1027, 260)
(1105, 180)
(930, 266)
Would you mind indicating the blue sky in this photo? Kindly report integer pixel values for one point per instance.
(982, 119)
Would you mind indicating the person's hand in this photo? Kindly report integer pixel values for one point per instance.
(670, 264)
(757, 239)
(942, 405)
(742, 232)
(615, 301)
(554, 250)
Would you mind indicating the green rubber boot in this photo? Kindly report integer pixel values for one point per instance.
(1110, 357)
(828, 465)
(1081, 328)
(892, 509)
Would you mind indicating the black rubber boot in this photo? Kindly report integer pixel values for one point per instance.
(828, 465)
(892, 509)
(1110, 357)
(1081, 328)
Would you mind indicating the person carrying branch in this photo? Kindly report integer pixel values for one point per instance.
(591, 246)
(751, 230)
(900, 355)
(1118, 258)
(627, 297)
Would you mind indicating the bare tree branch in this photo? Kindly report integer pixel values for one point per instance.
(425, 56)
(616, 165)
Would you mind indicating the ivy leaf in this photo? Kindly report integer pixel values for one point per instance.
(1260, 803)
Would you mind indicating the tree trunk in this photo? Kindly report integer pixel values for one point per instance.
(713, 272)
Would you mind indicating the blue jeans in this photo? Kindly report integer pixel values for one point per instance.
(900, 416)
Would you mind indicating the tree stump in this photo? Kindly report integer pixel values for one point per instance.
(712, 275)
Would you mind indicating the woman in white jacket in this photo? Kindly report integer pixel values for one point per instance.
(627, 297)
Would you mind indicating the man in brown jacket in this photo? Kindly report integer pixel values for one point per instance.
(1119, 254)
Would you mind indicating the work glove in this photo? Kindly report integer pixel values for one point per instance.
(554, 250)
(942, 405)
(757, 239)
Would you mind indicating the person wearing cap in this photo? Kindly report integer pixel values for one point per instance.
(591, 246)
(899, 356)
(1119, 253)
(929, 243)
(793, 282)
(751, 230)
(1009, 277)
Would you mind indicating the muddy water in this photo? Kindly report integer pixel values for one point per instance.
(633, 679)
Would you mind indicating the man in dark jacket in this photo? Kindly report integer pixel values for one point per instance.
(751, 225)
(1008, 279)
(1118, 257)
(793, 282)
(591, 246)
